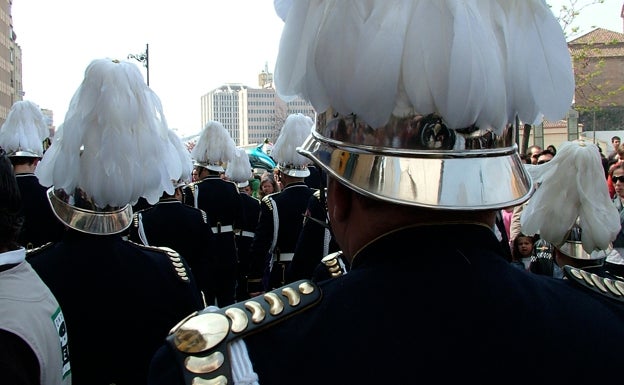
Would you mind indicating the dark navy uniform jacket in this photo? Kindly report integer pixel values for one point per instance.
(291, 204)
(244, 238)
(438, 304)
(315, 241)
(186, 230)
(119, 300)
(40, 223)
(221, 200)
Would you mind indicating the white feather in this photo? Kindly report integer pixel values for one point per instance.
(282, 7)
(25, 128)
(215, 145)
(294, 132)
(464, 59)
(114, 143)
(572, 186)
(239, 168)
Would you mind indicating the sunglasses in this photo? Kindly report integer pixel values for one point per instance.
(616, 179)
(543, 161)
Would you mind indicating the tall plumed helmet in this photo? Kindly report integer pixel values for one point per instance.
(24, 130)
(214, 148)
(239, 168)
(572, 246)
(295, 131)
(417, 99)
(572, 194)
(186, 162)
(113, 148)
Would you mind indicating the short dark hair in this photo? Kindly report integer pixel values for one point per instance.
(613, 138)
(546, 152)
(11, 218)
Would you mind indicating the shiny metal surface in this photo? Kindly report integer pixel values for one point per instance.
(220, 380)
(276, 306)
(419, 161)
(206, 364)
(239, 319)
(90, 221)
(574, 249)
(257, 311)
(25, 153)
(201, 332)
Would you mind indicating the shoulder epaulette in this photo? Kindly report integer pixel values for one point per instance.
(612, 288)
(135, 219)
(34, 250)
(267, 201)
(317, 194)
(200, 341)
(174, 258)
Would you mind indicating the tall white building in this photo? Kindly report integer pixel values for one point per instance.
(250, 115)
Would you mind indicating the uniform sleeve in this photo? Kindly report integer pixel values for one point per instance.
(263, 239)
(310, 244)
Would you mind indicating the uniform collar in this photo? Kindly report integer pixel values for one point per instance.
(13, 256)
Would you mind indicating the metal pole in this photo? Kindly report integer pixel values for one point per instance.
(142, 58)
(147, 61)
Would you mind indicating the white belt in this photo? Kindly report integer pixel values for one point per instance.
(284, 257)
(224, 229)
(244, 233)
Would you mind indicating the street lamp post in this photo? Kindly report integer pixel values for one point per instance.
(142, 57)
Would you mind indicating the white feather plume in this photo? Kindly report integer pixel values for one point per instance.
(114, 143)
(215, 145)
(294, 132)
(239, 168)
(472, 61)
(186, 163)
(24, 129)
(572, 186)
(282, 7)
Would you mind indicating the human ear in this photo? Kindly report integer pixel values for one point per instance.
(339, 200)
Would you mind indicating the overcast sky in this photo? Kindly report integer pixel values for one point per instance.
(194, 45)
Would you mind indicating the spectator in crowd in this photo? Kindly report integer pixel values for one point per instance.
(114, 128)
(22, 136)
(522, 251)
(617, 177)
(552, 149)
(417, 223)
(619, 161)
(33, 334)
(221, 200)
(533, 153)
(545, 156)
(268, 185)
(613, 154)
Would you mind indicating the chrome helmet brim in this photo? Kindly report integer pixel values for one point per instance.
(487, 173)
(88, 221)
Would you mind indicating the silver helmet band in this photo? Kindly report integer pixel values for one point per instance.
(417, 160)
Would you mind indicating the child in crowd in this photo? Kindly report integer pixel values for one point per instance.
(522, 251)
